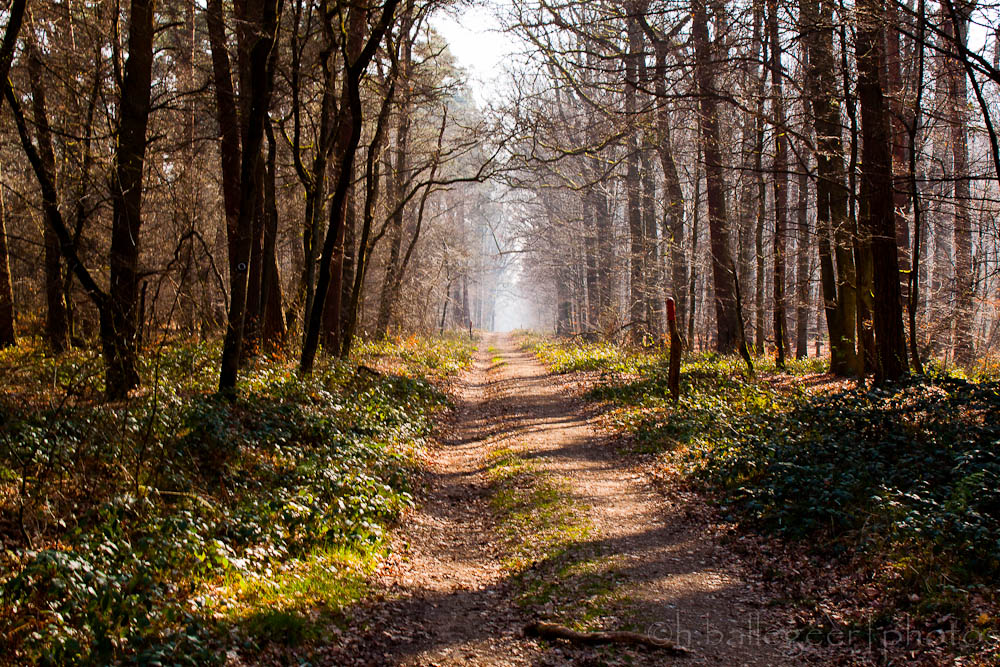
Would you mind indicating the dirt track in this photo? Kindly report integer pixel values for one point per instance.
(449, 601)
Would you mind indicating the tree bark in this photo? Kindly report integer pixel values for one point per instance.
(56, 312)
(835, 243)
(271, 307)
(228, 119)
(878, 220)
(126, 198)
(349, 263)
(673, 229)
(633, 184)
(365, 246)
(261, 25)
(900, 117)
(397, 180)
(349, 131)
(723, 269)
(7, 334)
(963, 314)
(50, 205)
(779, 173)
(802, 268)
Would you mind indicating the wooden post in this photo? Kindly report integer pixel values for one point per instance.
(674, 374)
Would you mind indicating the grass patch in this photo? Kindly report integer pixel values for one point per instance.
(539, 518)
(559, 574)
(583, 356)
(420, 356)
(144, 530)
(294, 604)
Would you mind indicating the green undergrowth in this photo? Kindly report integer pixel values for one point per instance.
(603, 357)
(174, 526)
(559, 573)
(908, 474)
(420, 356)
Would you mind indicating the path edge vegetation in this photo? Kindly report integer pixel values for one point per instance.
(888, 492)
(181, 525)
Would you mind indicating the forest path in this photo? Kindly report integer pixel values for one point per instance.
(450, 600)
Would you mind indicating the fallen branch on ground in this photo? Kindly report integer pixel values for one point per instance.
(545, 630)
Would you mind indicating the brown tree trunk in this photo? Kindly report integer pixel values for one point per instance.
(723, 269)
(940, 314)
(126, 197)
(271, 307)
(918, 268)
(802, 268)
(633, 185)
(878, 220)
(397, 183)
(314, 181)
(901, 116)
(56, 316)
(963, 313)
(755, 210)
(7, 335)
(349, 263)
(605, 254)
(592, 259)
(348, 136)
(255, 275)
(673, 229)
(227, 118)
(693, 275)
(372, 183)
(50, 205)
(780, 181)
(260, 23)
(653, 275)
(837, 269)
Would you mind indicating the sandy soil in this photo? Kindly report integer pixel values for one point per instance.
(447, 600)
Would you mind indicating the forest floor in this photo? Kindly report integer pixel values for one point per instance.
(531, 512)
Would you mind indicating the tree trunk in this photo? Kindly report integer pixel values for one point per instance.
(878, 220)
(917, 270)
(653, 276)
(780, 180)
(261, 19)
(693, 276)
(673, 228)
(605, 255)
(900, 117)
(963, 314)
(56, 315)
(397, 185)
(271, 307)
(802, 268)
(7, 335)
(372, 184)
(349, 134)
(592, 260)
(227, 118)
(723, 269)
(126, 198)
(50, 205)
(349, 263)
(633, 186)
(832, 224)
